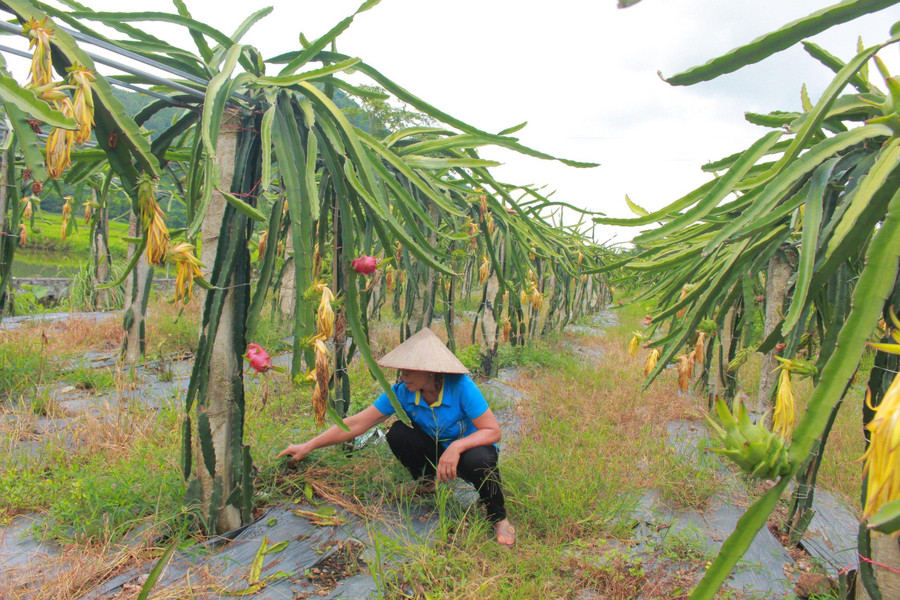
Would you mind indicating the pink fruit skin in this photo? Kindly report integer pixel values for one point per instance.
(259, 358)
(364, 265)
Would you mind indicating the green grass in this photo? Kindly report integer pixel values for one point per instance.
(121, 474)
(23, 365)
(46, 246)
(92, 379)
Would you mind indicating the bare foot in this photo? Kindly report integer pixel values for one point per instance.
(505, 532)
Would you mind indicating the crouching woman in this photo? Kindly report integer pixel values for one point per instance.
(453, 432)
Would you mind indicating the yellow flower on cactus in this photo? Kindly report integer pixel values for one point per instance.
(484, 206)
(29, 209)
(507, 329)
(882, 458)
(325, 314)
(82, 79)
(537, 299)
(472, 229)
(698, 354)
(66, 216)
(88, 211)
(634, 345)
(187, 268)
(485, 270)
(262, 244)
(523, 298)
(685, 371)
(23, 235)
(783, 419)
(39, 35)
(157, 238)
(684, 292)
(489, 224)
(59, 143)
(323, 368)
(651, 361)
(152, 221)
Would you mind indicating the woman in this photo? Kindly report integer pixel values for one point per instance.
(453, 432)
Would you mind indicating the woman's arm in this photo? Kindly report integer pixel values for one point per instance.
(358, 424)
(488, 432)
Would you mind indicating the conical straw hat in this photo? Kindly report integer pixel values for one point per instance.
(423, 352)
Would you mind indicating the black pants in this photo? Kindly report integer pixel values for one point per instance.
(419, 452)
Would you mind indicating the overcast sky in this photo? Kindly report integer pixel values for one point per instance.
(581, 72)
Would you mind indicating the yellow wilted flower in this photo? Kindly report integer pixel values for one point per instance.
(23, 235)
(41, 61)
(399, 253)
(157, 238)
(66, 215)
(523, 298)
(651, 361)
(489, 223)
(783, 419)
(684, 292)
(698, 354)
(59, 143)
(472, 229)
(580, 257)
(325, 314)
(188, 267)
(88, 209)
(29, 210)
(507, 328)
(634, 345)
(485, 269)
(82, 79)
(882, 458)
(484, 206)
(152, 221)
(506, 297)
(317, 261)
(261, 244)
(685, 371)
(322, 374)
(537, 299)
(389, 278)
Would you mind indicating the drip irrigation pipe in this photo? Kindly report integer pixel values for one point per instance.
(140, 90)
(11, 28)
(111, 80)
(121, 67)
(133, 55)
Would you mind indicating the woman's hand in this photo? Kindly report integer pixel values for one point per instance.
(446, 468)
(295, 451)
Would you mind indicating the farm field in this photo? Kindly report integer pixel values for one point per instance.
(354, 347)
(92, 454)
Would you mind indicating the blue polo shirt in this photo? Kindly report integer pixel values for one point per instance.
(448, 419)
